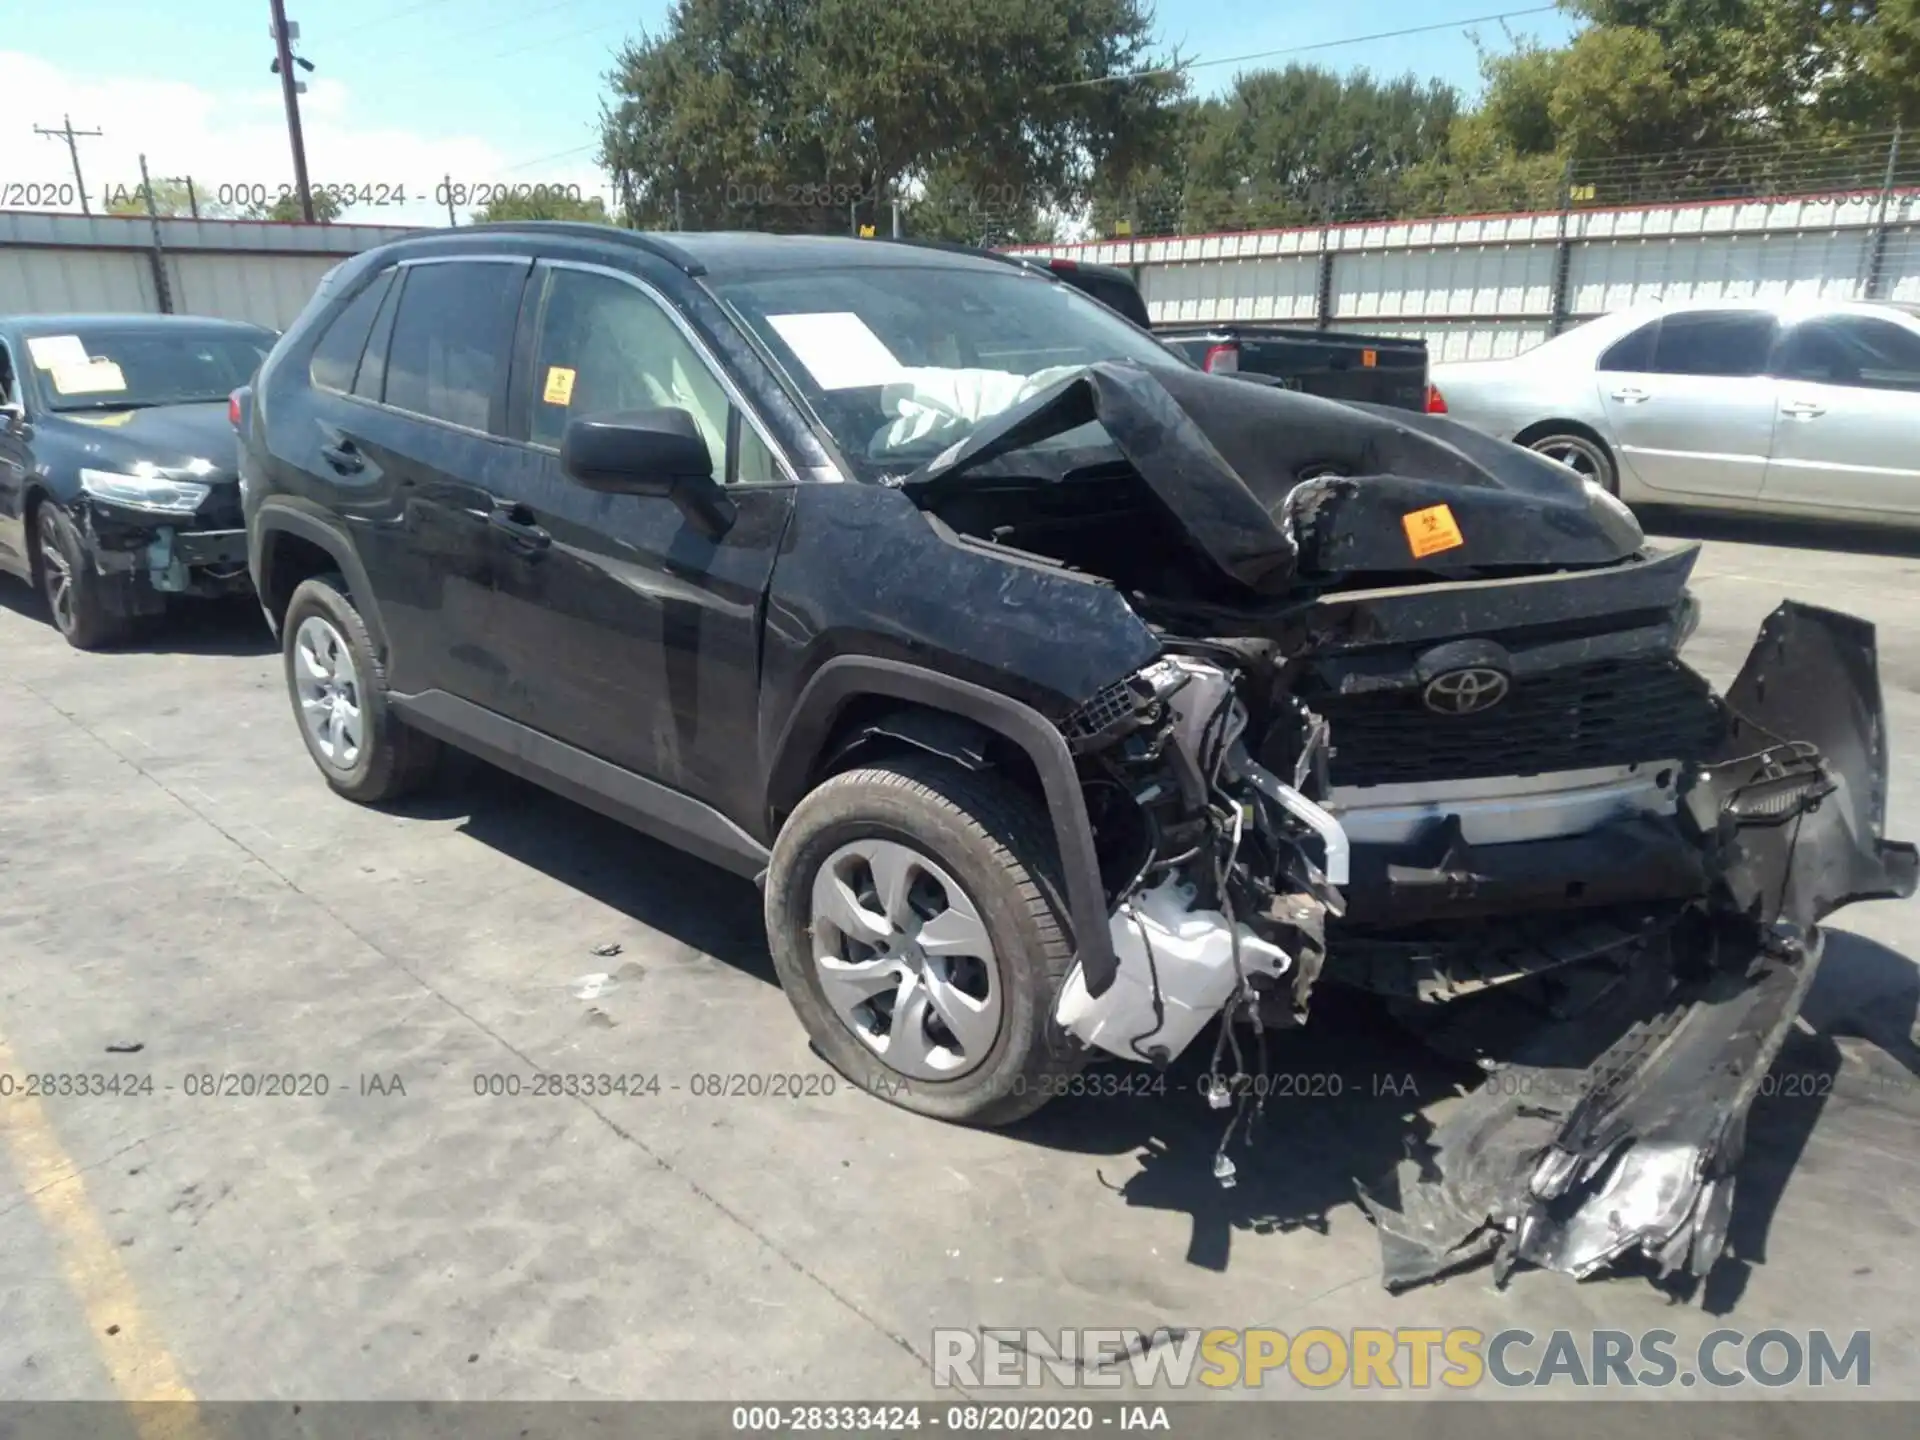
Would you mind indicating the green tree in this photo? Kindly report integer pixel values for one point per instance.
(1303, 144)
(1893, 61)
(814, 115)
(170, 197)
(326, 209)
(1671, 76)
(544, 205)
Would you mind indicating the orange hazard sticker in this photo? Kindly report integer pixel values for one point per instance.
(1369, 359)
(1432, 530)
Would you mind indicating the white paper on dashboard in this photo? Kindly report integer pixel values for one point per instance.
(50, 352)
(838, 349)
(93, 377)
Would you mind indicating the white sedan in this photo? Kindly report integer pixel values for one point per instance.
(1794, 408)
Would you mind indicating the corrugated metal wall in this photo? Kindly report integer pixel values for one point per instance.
(1479, 287)
(236, 270)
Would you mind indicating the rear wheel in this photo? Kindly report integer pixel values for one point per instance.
(339, 694)
(1582, 454)
(74, 590)
(914, 916)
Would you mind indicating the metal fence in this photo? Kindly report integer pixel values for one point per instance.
(1836, 220)
(1479, 263)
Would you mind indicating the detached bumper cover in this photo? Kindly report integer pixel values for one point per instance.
(1621, 1128)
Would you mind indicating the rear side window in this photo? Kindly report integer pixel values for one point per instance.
(1713, 342)
(1634, 354)
(371, 382)
(1852, 350)
(451, 340)
(337, 355)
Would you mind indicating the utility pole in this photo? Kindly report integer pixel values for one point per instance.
(70, 135)
(290, 92)
(157, 255)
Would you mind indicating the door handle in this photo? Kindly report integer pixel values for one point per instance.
(343, 457)
(517, 523)
(1631, 395)
(1802, 409)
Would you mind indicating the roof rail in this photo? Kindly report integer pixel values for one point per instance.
(586, 230)
(961, 247)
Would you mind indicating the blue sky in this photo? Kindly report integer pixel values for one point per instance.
(495, 88)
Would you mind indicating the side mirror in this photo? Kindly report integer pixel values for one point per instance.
(13, 418)
(648, 452)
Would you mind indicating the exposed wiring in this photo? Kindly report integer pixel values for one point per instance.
(1159, 1004)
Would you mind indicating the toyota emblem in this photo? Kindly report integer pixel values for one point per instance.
(1466, 692)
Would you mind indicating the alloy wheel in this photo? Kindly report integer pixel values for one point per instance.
(904, 959)
(56, 572)
(327, 686)
(1576, 454)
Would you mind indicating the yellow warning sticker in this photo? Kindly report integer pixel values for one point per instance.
(1432, 530)
(559, 389)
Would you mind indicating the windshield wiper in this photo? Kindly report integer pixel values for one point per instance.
(114, 405)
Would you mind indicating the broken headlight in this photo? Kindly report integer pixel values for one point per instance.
(151, 492)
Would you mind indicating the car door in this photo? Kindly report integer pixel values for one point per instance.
(1848, 433)
(1689, 403)
(406, 437)
(16, 461)
(630, 632)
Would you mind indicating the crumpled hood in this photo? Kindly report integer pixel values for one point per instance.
(195, 439)
(1269, 485)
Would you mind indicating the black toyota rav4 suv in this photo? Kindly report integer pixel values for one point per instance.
(1063, 697)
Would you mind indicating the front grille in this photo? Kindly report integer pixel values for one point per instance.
(1608, 712)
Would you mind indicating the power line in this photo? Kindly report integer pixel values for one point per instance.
(1302, 49)
(521, 17)
(557, 155)
(392, 15)
(555, 39)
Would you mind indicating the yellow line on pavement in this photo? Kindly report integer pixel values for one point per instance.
(139, 1363)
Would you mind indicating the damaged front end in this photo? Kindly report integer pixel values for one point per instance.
(1618, 1125)
(143, 556)
(1468, 774)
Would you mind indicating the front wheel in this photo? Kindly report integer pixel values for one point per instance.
(74, 590)
(916, 921)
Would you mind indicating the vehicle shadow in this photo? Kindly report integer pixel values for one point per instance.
(207, 627)
(190, 627)
(657, 886)
(1345, 1097)
(1348, 1095)
(1838, 536)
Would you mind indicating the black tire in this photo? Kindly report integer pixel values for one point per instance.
(393, 759)
(999, 845)
(1581, 453)
(75, 592)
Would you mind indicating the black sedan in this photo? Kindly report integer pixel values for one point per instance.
(118, 486)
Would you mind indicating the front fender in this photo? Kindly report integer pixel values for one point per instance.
(840, 681)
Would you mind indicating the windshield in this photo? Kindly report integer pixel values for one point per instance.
(900, 363)
(131, 369)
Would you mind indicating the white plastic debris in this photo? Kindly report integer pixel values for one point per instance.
(1168, 950)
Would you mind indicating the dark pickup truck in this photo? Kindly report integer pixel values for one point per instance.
(1380, 369)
